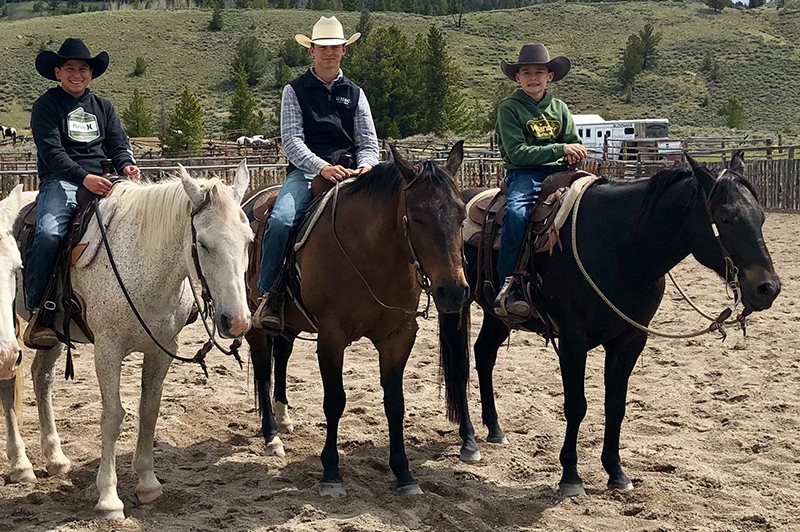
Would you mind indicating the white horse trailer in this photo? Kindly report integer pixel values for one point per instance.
(617, 139)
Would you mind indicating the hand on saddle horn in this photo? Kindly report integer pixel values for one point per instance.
(359, 171)
(334, 173)
(97, 184)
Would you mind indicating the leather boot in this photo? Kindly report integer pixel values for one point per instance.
(38, 336)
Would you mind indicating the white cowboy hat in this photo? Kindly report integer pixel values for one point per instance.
(327, 32)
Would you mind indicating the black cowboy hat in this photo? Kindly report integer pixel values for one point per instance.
(537, 54)
(47, 61)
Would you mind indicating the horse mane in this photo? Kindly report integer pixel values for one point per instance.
(384, 180)
(164, 207)
(657, 187)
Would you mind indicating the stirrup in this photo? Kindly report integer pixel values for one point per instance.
(500, 301)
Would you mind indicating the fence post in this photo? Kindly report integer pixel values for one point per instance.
(769, 148)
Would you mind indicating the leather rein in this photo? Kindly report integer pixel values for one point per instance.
(207, 311)
(731, 281)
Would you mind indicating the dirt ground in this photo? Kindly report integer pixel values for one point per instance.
(710, 438)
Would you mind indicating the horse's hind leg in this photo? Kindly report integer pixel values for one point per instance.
(154, 370)
(621, 356)
(261, 356)
(44, 373)
(493, 333)
(283, 350)
(21, 469)
(108, 363)
(393, 357)
(572, 360)
(330, 354)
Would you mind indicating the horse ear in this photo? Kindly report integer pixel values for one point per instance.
(406, 170)
(701, 173)
(455, 158)
(737, 163)
(240, 181)
(193, 190)
(10, 207)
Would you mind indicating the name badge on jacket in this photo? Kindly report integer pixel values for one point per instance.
(82, 126)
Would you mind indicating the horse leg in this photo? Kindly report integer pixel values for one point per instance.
(454, 347)
(572, 360)
(283, 350)
(21, 469)
(493, 333)
(261, 356)
(107, 364)
(330, 355)
(621, 356)
(154, 370)
(44, 374)
(393, 357)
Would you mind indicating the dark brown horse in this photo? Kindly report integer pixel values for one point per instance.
(629, 235)
(394, 226)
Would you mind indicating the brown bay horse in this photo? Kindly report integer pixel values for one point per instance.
(394, 226)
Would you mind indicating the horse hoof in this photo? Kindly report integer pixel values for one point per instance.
(622, 486)
(116, 515)
(146, 497)
(331, 489)
(470, 457)
(571, 490)
(411, 489)
(60, 468)
(500, 440)
(286, 429)
(23, 475)
(275, 448)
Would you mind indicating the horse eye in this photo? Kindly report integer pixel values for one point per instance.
(419, 221)
(203, 247)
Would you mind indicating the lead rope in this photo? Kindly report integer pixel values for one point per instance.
(718, 324)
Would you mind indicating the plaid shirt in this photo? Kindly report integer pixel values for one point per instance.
(293, 139)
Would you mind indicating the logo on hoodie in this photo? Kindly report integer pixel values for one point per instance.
(82, 126)
(544, 127)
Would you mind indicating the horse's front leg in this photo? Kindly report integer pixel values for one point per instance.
(154, 369)
(44, 373)
(393, 357)
(330, 355)
(493, 333)
(283, 350)
(572, 359)
(108, 363)
(21, 469)
(261, 357)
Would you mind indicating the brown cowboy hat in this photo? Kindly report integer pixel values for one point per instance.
(537, 54)
(47, 61)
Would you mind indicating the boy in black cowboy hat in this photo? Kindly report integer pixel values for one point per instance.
(537, 137)
(74, 130)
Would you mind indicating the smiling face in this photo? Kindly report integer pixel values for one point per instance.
(74, 76)
(327, 57)
(533, 79)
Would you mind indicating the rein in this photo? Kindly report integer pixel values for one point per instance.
(199, 358)
(717, 324)
(423, 280)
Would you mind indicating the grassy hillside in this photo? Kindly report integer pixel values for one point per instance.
(758, 50)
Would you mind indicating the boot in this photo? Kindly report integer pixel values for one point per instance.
(511, 300)
(38, 336)
(267, 317)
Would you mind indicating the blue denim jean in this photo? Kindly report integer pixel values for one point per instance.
(56, 205)
(294, 197)
(524, 187)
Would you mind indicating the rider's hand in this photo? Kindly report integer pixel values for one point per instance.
(334, 173)
(132, 172)
(97, 184)
(572, 159)
(577, 151)
(360, 170)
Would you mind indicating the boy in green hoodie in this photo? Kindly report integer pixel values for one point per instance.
(537, 137)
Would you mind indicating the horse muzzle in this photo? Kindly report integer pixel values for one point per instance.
(760, 288)
(234, 327)
(450, 297)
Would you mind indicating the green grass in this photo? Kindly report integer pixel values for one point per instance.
(759, 52)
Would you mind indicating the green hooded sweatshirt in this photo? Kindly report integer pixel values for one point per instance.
(532, 135)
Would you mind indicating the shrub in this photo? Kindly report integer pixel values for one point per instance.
(139, 67)
(216, 22)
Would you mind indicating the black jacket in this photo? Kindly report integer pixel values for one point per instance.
(73, 135)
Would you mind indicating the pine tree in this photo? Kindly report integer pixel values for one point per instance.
(137, 119)
(632, 61)
(252, 57)
(283, 74)
(293, 54)
(733, 111)
(649, 39)
(217, 21)
(718, 5)
(439, 84)
(365, 25)
(243, 105)
(185, 126)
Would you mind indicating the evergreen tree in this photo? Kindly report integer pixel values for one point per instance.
(161, 121)
(365, 25)
(217, 21)
(350, 5)
(733, 111)
(252, 57)
(649, 39)
(293, 54)
(503, 89)
(139, 67)
(632, 61)
(137, 119)
(756, 3)
(185, 126)
(283, 74)
(243, 105)
(717, 5)
(439, 85)
(710, 66)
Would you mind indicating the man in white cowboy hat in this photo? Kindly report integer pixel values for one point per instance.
(327, 130)
(74, 130)
(537, 137)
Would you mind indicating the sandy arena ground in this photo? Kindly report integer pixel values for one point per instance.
(710, 438)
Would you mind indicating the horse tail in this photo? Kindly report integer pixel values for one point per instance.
(261, 346)
(454, 361)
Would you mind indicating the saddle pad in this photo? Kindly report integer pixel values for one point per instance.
(84, 251)
(312, 214)
(473, 223)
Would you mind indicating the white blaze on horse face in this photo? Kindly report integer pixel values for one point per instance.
(10, 263)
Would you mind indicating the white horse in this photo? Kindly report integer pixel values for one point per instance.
(149, 229)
